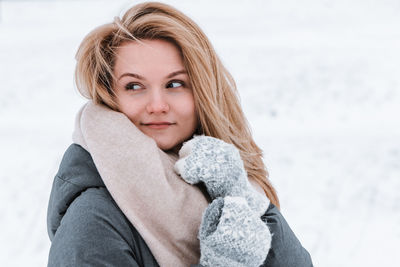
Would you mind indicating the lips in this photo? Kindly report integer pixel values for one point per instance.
(158, 124)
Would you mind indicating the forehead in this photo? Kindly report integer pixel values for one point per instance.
(148, 55)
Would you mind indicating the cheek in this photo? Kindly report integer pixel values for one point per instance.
(130, 109)
(185, 105)
(187, 109)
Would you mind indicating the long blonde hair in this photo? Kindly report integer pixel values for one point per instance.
(214, 90)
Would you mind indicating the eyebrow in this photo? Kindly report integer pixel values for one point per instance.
(137, 76)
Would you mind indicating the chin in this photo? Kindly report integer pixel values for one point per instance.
(165, 145)
(169, 146)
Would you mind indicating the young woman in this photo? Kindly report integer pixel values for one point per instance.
(163, 170)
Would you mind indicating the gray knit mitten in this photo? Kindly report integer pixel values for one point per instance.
(231, 234)
(218, 165)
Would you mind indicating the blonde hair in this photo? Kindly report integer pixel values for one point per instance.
(216, 100)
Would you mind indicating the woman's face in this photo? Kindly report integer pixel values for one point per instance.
(153, 90)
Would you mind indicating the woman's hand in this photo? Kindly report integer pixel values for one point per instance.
(218, 165)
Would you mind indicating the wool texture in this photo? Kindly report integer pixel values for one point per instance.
(219, 166)
(231, 232)
(164, 209)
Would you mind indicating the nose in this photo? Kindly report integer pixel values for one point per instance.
(157, 102)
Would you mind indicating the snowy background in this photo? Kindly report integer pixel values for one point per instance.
(319, 82)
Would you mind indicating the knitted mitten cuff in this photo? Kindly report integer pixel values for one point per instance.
(231, 234)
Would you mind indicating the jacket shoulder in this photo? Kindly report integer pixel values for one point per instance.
(286, 250)
(76, 174)
(77, 168)
(92, 232)
(85, 225)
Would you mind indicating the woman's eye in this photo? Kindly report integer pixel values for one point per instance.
(175, 84)
(133, 86)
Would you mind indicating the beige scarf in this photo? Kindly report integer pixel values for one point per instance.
(161, 206)
(164, 209)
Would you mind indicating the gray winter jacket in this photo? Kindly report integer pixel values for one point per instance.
(87, 228)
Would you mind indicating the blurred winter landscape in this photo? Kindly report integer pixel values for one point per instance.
(319, 82)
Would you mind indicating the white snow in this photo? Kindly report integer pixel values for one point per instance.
(319, 83)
